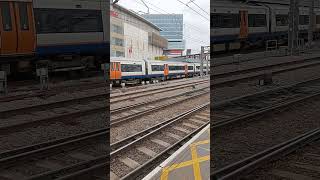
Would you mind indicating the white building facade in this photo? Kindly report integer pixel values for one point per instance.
(140, 38)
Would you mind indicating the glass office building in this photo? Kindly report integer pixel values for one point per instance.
(172, 29)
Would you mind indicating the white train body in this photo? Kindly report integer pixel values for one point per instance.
(236, 24)
(132, 70)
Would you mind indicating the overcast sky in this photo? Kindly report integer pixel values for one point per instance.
(196, 27)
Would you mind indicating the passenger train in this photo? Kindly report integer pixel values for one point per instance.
(124, 70)
(60, 34)
(236, 25)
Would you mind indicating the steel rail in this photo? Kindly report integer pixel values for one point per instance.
(247, 165)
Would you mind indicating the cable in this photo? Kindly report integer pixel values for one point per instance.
(193, 10)
(175, 19)
(192, 1)
(183, 34)
(169, 14)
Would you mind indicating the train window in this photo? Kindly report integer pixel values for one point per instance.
(318, 19)
(304, 19)
(225, 20)
(257, 20)
(86, 21)
(23, 13)
(282, 20)
(51, 21)
(68, 21)
(190, 67)
(157, 67)
(198, 67)
(6, 16)
(131, 67)
(176, 68)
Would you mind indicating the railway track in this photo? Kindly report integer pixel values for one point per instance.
(221, 79)
(58, 158)
(297, 158)
(239, 113)
(70, 109)
(35, 92)
(156, 90)
(233, 77)
(127, 113)
(134, 156)
(245, 107)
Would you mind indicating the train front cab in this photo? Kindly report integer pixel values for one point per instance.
(17, 33)
(115, 72)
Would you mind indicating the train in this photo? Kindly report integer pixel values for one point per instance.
(237, 25)
(61, 35)
(135, 71)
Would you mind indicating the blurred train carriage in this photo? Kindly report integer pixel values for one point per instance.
(63, 35)
(237, 25)
(133, 71)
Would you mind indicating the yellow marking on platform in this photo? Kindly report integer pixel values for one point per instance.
(200, 143)
(195, 162)
(166, 170)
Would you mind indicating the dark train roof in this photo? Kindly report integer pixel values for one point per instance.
(283, 2)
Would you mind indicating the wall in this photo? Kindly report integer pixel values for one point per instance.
(136, 44)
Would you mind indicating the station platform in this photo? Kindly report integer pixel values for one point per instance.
(190, 162)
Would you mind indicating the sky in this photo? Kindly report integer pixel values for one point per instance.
(196, 27)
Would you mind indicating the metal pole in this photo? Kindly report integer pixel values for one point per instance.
(311, 23)
(291, 29)
(201, 61)
(207, 69)
(293, 34)
(296, 23)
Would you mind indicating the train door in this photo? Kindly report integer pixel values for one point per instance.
(166, 70)
(115, 70)
(243, 24)
(16, 28)
(25, 27)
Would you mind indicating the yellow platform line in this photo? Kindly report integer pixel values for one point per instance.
(166, 170)
(195, 162)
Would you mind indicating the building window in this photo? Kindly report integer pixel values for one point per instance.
(257, 20)
(117, 41)
(282, 20)
(131, 68)
(119, 54)
(117, 29)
